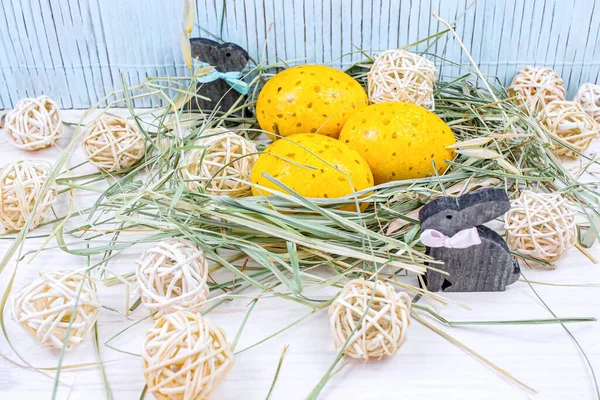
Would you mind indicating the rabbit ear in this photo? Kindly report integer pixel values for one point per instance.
(481, 206)
(452, 214)
(224, 57)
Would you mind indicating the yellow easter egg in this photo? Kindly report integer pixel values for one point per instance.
(308, 99)
(313, 166)
(399, 140)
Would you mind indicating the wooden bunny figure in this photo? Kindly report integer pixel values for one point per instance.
(225, 84)
(476, 258)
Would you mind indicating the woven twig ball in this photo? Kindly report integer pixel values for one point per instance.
(172, 276)
(34, 123)
(399, 75)
(536, 87)
(20, 189)
(567, 121)
(113, 144)
(185, 356)
(588, 96)
(221, 164)
(541, 225)
(384, 327)
(45, 308)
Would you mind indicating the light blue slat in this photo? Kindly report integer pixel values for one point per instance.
(346, 36)
(22, 75)
(34, 45)
(336, 50)
(68, 34)
(376, 16)
(6, 79)
(97, 41)
(76, 50)
(494, 45)
(503, 54)
(311, 34)
(253, 33)
(384, 26)
(262, 27)
(89, 48)
(446, 47)
(566, 16)
(275, 13)
(591, 45)
(579, 37)
(393, 23)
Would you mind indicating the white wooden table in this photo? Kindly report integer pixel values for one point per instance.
(427, 366)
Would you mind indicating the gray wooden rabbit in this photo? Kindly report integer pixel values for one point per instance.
(476, 258)
(226, 58)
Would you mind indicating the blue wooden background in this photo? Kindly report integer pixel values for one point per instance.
(75, 50)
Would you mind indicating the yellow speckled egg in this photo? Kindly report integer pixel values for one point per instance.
(399, 140)
(314, 166)
(309, 98)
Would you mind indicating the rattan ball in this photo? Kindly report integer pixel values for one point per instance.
(33, 124)
(113, 144)
(588, 96)
(45, 308)
(221, 165)
(385, 326)
(399, 75)
(185, 356)
(20, 189)
(534, 88)
(172, 276)
(541, 225)
(567, 121)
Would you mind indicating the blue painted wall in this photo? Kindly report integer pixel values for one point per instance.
(75, 50)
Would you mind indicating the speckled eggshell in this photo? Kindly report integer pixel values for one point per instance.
(309, 99)
(314, 166)
(399, 140)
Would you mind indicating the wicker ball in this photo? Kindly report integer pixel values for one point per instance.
(541, 225)
(567, 121)
(536, 87)
(185, 356)
(399, 75)
(172, 276)
(588, 96)
(385, 326)
(20, 188)
(45, 308)
(34, 123)
(113, 144)
(221, 165)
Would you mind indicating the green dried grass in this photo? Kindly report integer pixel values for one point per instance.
(288, 237)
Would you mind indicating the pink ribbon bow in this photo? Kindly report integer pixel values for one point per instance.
(461, 240)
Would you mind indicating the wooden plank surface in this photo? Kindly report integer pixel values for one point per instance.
(76, 50)
(426, 367)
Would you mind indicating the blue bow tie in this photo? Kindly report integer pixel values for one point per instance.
(232, 78)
